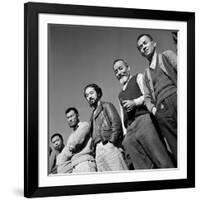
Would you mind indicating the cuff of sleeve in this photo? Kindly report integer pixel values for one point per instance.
(135, 102)
(152, 108)
(139, 101)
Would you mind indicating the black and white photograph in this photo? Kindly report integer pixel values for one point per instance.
(109, 100)
(112, 99)
(100, 100)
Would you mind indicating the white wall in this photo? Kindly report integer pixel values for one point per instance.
(11, 100)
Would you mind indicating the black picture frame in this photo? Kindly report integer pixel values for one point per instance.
(31, 85)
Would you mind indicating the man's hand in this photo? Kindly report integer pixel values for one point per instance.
(154, 110)
(128, 105)
(71, 147)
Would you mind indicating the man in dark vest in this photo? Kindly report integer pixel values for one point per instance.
(161, 89)
(143, 146)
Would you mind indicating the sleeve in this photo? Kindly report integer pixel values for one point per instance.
(171, 57)
(52, 160)
(63, 166)
(79, 136)
(147, 94)
(64, 156)
(140, 100)
(116, 125)
(74, 142)
(122, 119)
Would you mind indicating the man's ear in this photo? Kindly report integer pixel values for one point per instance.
(154, 44)
(99, 96)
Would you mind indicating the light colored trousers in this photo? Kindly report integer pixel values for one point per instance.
(86, 166)
(109, 158)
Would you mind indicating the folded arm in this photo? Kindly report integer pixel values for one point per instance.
(78, 136)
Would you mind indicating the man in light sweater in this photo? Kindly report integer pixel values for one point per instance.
(143, 146)
(160, 89)
(78, 152)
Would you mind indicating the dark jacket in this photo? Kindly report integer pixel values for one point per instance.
(106, 125)
(52, 161)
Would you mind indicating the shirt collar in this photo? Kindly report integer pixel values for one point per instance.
(78, 125)
(153, 61)
(124, 86)
(98, 104)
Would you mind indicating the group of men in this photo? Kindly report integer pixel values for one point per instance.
(143, 137)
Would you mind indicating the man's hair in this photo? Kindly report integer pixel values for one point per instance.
(96, 88)
(122, 60)
(145, 34)
(70, 109)
(57, 134)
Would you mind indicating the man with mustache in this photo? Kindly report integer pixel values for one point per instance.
(161, 88)
(106, 131)
(143, 147)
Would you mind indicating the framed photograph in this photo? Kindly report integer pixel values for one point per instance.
(70, 48)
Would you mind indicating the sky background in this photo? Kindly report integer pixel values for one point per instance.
(80, 55)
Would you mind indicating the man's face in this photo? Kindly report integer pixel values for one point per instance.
(122, 72)
(91, 96)
(146, 46)
(57, 143)
(72, 119)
